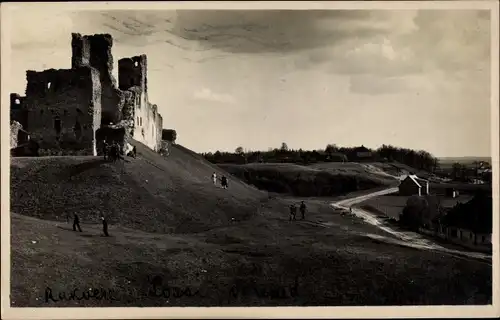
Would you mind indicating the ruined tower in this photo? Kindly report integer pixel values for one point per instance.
(95, 51)
(133, 72)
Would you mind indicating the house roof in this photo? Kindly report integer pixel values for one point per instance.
(361, 149)
(418, 181)
(475, 215)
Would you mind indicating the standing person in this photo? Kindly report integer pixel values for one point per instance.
(105, 226)
(214, 178)
(293, 212)
(105, 149)
(303, 210)
(223, 181)
(76, 223)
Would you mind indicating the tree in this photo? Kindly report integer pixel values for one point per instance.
(169, 135)
(456, 170)
(239, 150)
(415, 212)
(284, 146)
(331, 148)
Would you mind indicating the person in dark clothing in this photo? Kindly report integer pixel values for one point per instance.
(223, 181)
(105, 226)
(293, 212)
(114, 151)
(76, 223)
(134, 152)
(303, 210)
(105, 149)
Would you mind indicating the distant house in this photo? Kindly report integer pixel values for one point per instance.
(336, 157)
(413, 185)
(363, 153)
(470, 223)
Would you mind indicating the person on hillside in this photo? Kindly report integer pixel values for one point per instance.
(134, 152)
(303, 210)
(224, 182)
(105, 226)
(293, 212)
(76, 223)
(105, 148)
(214, 178)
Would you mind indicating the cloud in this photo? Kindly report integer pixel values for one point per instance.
(206, 94)
(429, 40)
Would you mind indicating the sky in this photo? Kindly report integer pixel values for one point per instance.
(412, 78)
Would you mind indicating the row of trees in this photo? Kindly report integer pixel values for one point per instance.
(422, 160)
(463, 172)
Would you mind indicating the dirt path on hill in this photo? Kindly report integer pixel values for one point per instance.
(406, 238)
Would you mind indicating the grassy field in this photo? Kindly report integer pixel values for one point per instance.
(322, 180)
(177, 240)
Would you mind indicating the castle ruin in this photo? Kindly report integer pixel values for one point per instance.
(63, 110)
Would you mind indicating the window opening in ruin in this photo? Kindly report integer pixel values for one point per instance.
(57, 125)
(137, 119)
(65, 112)
(41, 112)
(79, 112)
(48, 85)
(136, 64)
(141, 120)
(17, 101)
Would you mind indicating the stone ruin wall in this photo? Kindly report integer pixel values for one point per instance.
(15, 126)
(63, 109)
(146, 121)
(84, 98)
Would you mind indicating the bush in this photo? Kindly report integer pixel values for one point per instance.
(414, 213)
(169, 135)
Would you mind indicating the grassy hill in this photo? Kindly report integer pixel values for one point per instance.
(167, 220)
(151, 193)
(320, 180)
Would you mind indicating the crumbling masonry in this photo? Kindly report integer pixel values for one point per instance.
(63, 110)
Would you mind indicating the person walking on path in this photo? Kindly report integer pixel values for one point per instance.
(214, 178)
(105, 226)
(293, 212)
(76, 223)
(303, 210)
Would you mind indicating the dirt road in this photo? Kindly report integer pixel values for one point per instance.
(406, 238)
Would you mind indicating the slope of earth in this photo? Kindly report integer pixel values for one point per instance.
(306, 181)
(171, 230)
(258, 262)
(151, 193)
